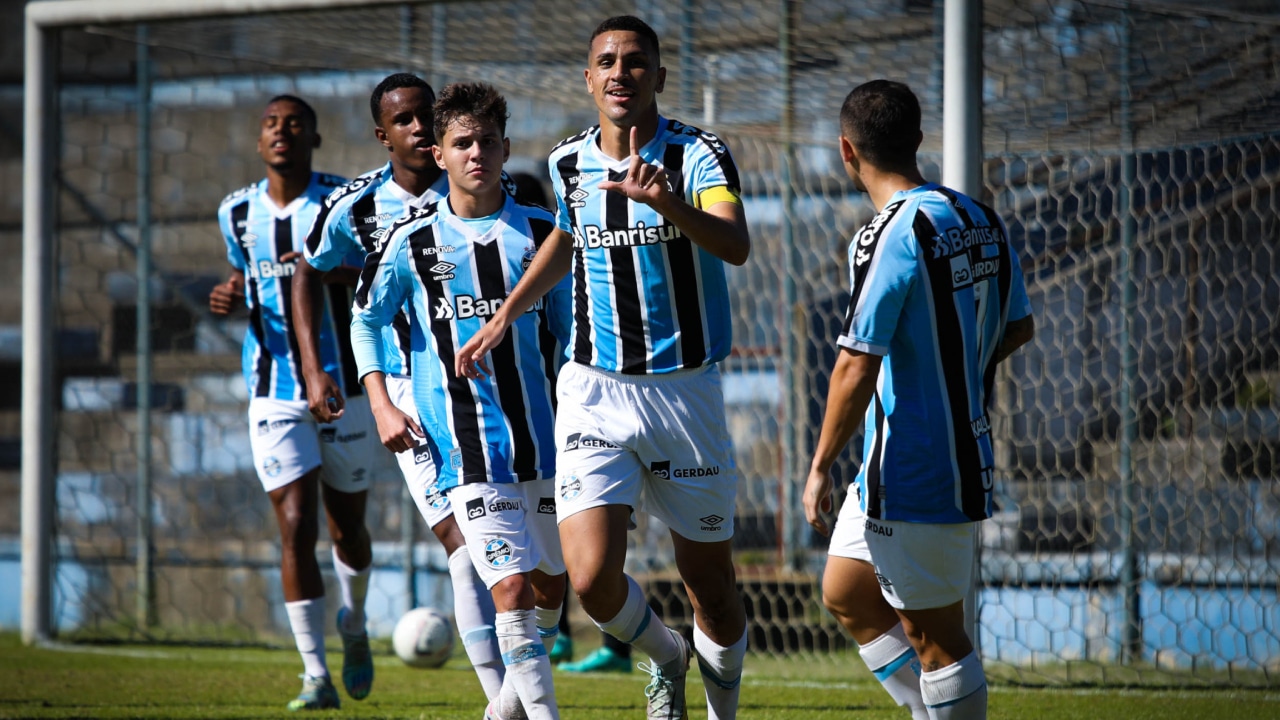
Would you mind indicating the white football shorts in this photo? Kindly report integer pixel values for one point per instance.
(920, 566)
(415, 464)
(510, 528)
(652, 442)
(288, 443)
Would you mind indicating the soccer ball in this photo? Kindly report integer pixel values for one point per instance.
(423, 638)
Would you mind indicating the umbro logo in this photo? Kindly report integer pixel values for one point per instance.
(442, 271)
(711, 523)
(578, 198)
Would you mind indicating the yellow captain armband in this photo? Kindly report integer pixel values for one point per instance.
(718, 194)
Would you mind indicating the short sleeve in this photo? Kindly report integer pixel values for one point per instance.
(235, 254)
(882, 276)
(1019, 303)
(332, 238)
(557, 189)
(711, 176)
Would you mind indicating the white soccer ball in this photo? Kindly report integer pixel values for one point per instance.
(423, 638)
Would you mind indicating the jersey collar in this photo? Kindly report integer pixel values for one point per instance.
(610, 164)
(466, 229)
(283, 213)
(432, 194)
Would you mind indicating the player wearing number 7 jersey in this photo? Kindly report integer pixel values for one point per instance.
(647, 214)
(937, 301)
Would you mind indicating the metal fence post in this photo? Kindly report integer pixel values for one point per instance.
(146, 610)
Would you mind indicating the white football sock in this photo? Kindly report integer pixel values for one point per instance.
(721, 672)
(354, 585)
(528, 667)
(473, 612)
(957, 691)
(306, 619)
(548, 622)
(893, 661)
(637, 625)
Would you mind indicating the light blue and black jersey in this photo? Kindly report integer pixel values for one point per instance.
(646, 300)
(935, 281)
(354, 222)
(456, 273)
(258, 234)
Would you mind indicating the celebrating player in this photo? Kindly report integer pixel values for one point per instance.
(648, 211)
(264, 226)
(355, 220)
(490, 438)
(937, 301)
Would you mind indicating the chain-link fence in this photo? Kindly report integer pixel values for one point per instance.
(1132, 149)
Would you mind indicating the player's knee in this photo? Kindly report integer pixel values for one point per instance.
(449, 535)
(297, 528)
(513, 592)
(350, 540)
(598, 590)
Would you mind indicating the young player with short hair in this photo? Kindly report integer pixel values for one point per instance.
(937, 301)
(648, 212)
(490, 438)
(264, 226)
(355, 221)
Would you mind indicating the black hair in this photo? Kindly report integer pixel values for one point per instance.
(308, 112)
(881, 118)
(474, 100)
(396, 81)
(627, 23)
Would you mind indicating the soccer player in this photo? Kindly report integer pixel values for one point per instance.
(937, 301)
(648, 212)
(490, 438)
(264, 226)
(355, 220)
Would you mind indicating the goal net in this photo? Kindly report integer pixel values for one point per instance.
(1132, 149)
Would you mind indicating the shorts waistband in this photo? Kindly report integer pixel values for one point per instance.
(646, 379)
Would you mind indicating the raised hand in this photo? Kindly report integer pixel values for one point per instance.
(644, 183)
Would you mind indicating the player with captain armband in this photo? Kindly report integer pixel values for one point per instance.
(648, 213)
(490, 438)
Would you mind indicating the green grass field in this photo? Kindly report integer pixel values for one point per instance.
(165, 681)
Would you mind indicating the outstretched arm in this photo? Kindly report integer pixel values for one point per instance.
(549, 266)
(720, 229)
(853, 383)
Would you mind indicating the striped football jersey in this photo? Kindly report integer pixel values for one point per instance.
(258, 234)
(456, 273)
(355, 220)
(646, 300)
(935, 281)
